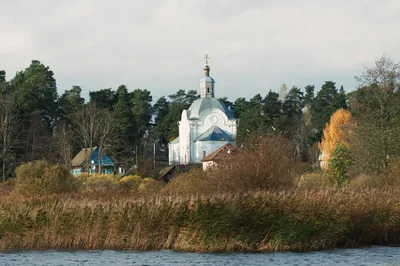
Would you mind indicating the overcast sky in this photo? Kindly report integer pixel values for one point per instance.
(159, 45)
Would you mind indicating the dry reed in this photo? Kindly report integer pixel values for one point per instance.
(299, 220)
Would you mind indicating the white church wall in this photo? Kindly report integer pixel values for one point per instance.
(184, 138)
(215, 117)
(173, 154)
(170, 154)
(205, 148)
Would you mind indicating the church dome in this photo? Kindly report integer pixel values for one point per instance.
(206, 103)
(207, 79)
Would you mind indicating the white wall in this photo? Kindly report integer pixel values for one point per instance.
(173, 154)
(207, 146)
(184, 138)
(215, 117)
(208, 165)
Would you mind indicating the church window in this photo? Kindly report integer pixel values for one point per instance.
(204, 154)
(208, 90)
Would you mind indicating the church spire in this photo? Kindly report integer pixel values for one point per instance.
(207, 83)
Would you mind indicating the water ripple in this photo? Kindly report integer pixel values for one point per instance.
(376, 255)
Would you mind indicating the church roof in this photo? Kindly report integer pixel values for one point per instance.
(176, 140)
(216, 134)
(207, 79)
(202, 104)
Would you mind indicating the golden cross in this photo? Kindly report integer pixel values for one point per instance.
(206, 58)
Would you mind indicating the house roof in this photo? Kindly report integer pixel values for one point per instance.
(216, 134)
(93, 154)
(81, 156)
(220, 153)
(167, 170)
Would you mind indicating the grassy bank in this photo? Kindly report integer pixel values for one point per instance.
(299, 220)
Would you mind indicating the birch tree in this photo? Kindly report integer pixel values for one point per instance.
(9, 134)
(94, 127)
(63, 139)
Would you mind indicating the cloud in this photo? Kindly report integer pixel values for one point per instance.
(160, 45)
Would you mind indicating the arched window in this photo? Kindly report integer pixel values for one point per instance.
(208, 90)
(204, 154)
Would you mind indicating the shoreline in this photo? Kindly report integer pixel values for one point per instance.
(194, 252)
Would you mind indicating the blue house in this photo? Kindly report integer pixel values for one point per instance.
(96, 163)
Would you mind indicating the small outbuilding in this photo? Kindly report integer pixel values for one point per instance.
(221, 155)
(92, 161)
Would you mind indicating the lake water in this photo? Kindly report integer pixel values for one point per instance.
(365, 256)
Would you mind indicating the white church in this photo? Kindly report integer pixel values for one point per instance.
(206, 126)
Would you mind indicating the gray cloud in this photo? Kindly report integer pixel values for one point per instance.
(159, 45)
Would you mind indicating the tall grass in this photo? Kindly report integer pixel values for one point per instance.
(251, 203)
(298, 220)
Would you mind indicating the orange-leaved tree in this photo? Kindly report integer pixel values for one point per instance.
(338, 130)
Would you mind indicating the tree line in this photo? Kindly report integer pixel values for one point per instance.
(37, 123)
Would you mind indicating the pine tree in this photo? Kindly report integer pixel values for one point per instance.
(272, 109)
(123, 116)
(141, 113)
(226, 102)
(160, 128)
(70, 101)
(324, 104)
(35, 91)
(104, 98)
(240, 106)
(309, 94)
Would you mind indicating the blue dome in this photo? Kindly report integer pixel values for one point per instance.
(205, 103)
(207, 79)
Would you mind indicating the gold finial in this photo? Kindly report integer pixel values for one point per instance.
(206, 58)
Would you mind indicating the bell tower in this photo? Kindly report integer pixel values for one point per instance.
(207, 83)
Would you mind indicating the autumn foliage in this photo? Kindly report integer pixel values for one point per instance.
(338, 130)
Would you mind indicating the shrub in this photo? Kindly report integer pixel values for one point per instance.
(79, 180)
(146, 168)
(266, 163)
(317, 179)
(41, 178)
(190, 183)
(379, 180)
(338, 164)
(103, 182)
(130, 182)
(98, 181)
(366, 181)
(149, 185)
